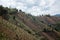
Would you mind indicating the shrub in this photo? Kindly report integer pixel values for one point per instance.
(28, 31)
(57, 28)
(42, 21)
(48, 15)
(43, 39)
(3, 12)
(38, 34)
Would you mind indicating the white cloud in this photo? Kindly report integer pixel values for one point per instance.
(35, 7)
(27, 1)
(30, 1)
(42, 3)
(7, 3)
(21, 5)
(13, 4)
(35, 10)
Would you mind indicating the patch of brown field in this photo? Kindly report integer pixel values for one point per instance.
(9, 33)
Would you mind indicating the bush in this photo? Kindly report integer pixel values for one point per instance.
(28, 31)
(48, 15)
(42, 21)
(43, 39)
(47, 30)
(57, 28)
(3, 12)
(38, 34)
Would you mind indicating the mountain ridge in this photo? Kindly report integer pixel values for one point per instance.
(58, 15)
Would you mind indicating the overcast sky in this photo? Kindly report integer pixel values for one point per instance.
(34, 7)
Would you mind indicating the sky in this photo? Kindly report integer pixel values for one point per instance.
(34, 7)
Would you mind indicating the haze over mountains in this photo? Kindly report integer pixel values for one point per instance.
(57, 15)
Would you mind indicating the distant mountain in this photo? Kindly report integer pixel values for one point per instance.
(57, 15)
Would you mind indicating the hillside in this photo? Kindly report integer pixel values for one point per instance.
(37, 24)
(12, 30)
(18, 25)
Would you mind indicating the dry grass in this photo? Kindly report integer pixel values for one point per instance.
(22, 35)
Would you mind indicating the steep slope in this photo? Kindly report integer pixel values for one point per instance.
(10, 29)
(17, 25)
(49, 20)
(26, 27)
(37, 24)
(6, 34)
(31, 21)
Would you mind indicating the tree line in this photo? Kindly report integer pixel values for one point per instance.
(5, 12)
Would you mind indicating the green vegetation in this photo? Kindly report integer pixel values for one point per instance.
(43, 39)
(48, 15)
(28, 31)
(3, 12)
(12, 11)
(3, 36)
(26, 26)
(57, 26)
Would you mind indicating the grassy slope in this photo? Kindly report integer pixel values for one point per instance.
(31, 22)
(22, 35)
(34, 25)
(39, 25)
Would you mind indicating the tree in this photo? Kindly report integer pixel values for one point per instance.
(44, 30)
(14, 17)
(1, 9)
(48, 15)
(12, 11)
(3, 12)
